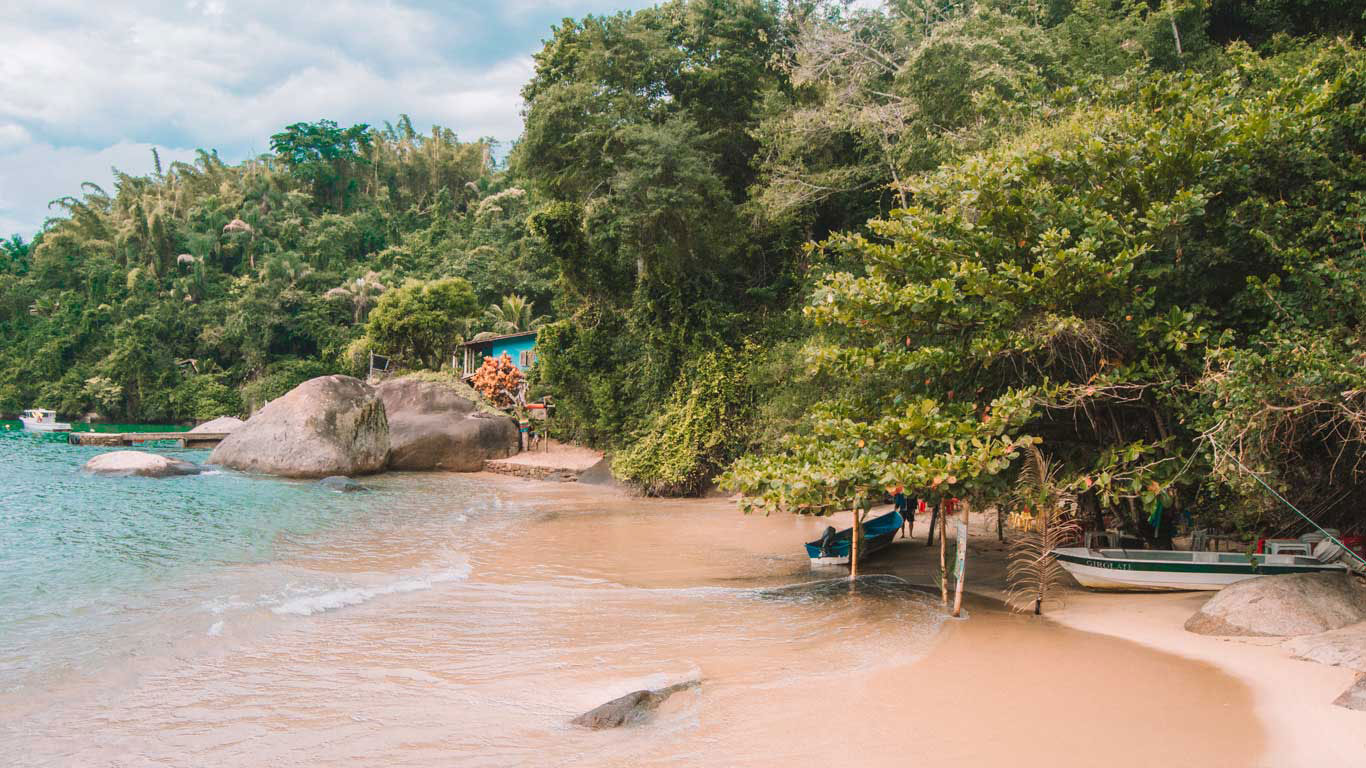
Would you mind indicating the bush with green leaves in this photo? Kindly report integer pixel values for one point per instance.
(699, 430)
(419, 323)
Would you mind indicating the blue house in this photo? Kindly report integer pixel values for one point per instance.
(521, 347)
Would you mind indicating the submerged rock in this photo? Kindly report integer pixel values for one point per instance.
(341, 484)
(434, 426)
(634, 707)
(139, 464)
(331, 425)
(221, 424)
(1280, 606)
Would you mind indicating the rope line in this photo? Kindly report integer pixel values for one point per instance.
(1283, 500)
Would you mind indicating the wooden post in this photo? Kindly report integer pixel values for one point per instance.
(943, 552)
(854, 535)
(961, 565)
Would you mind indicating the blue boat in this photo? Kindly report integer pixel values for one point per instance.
(833, 547)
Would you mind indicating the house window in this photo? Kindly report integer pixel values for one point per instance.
(526, 358)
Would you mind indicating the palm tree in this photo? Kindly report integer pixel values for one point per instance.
(362, 292)
(1033, 572)
(513, 315)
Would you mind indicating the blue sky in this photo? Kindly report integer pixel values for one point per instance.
(86, 86)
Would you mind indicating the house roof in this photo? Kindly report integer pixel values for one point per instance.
(490, 339)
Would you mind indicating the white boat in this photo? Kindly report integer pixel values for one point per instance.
(1151, 570)
(43, 420)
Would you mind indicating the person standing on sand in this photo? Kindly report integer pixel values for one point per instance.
(523, 429)
(907, 515)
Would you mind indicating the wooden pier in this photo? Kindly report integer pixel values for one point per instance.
(186, 439)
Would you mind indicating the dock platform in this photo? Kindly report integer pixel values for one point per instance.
(186, 439)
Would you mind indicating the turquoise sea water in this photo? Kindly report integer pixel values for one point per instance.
(226, 619)
(92, 567)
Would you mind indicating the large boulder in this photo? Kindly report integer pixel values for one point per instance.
(631, 708)
(1281, 606)
(138, 464)
(331, 425)
(220, 425)
(432, 425)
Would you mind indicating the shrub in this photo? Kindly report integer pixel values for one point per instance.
(700, 429)
(499, 381)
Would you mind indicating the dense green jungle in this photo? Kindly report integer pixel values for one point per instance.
(846, 247)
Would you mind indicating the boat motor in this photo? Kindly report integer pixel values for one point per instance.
(828, 540)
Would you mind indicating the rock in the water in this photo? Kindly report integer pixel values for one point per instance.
(433, 426)
(1344, 647)
(1281, 606)
(1354, 697)
(631, 708)
(331, 425)
(341, 484)
(140, 464)
(226, 424)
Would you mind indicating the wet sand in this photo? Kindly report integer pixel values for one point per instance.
(556, 598)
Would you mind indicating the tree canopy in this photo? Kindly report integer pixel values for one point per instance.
(807, 248)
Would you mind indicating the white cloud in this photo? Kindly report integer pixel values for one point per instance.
(39, 173)
(83, 88)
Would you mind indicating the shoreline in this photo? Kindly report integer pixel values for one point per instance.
(577, 594)
(1292, 699)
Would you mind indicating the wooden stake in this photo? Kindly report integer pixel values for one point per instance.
(961, 566)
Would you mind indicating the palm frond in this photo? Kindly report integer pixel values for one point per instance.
(1033, 573)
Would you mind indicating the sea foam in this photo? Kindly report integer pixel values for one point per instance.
(341, 598)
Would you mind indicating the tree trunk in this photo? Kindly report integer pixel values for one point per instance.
(960, 564)
(934, 519)
(943, 555)
(854, 536)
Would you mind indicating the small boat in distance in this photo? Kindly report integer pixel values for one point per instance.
(1159, 570)
(43, 420)
(833, 547)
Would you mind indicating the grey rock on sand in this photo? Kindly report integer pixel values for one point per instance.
(1345, 647)
(139, 464)
(222, 424)
(434, 426)
(1282, 606)
(1354, 697)
(341, 484)
(331, 425)
(634, 707)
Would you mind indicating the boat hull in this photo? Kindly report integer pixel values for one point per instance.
(878, 533)
(1096, 571)
(33, 425)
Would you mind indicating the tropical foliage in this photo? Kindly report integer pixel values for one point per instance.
(204, 288)
(849, 247)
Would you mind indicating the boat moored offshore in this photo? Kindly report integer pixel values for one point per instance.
(43, 420)
(1148, 570)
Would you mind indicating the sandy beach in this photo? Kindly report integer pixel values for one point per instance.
(1249, 697)
(475, 615)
